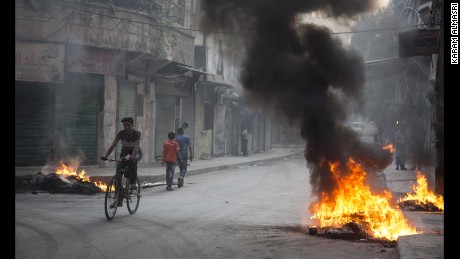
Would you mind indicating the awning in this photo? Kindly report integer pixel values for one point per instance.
(194, 69)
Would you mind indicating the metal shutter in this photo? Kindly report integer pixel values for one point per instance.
(219, 130)
(165, 112)
(256, 133)
(268, 132)
(33, 122)
(76, 118)
(126, 106)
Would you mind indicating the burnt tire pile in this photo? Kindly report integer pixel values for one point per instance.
(53, 183)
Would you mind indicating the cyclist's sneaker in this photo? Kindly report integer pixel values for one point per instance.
(133, 187)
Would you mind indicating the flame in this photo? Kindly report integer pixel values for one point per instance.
(352, 201)
(422, 195)
(68, 170)
(390, 148)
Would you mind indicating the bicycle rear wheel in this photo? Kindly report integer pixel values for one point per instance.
(111, 199)
(133, 197)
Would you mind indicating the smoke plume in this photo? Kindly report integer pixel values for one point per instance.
(302, 71)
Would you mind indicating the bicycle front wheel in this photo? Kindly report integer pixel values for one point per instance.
(133, 197)
(111, 199)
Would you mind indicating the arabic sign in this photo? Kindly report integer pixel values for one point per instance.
(39, 62)
(91, 60)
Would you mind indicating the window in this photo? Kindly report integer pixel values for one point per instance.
(177, 12)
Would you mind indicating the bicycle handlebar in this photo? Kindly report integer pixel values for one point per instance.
(114, 160)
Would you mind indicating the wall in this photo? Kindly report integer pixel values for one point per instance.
(188, 115)
(127, 29)
(108, 132)
(203, 138)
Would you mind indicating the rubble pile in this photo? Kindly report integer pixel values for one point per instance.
(53, 183)
(350, 231)
(414, 205)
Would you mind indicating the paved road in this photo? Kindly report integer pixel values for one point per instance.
(250, 212)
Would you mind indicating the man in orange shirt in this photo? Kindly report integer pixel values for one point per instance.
(170, 156)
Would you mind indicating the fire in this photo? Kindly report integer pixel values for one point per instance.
(352, 201)
(68, 170)
(390, 148)
(422, 195)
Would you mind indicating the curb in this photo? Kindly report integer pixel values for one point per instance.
(162, 178)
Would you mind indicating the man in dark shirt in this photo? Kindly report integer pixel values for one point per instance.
(130, 149)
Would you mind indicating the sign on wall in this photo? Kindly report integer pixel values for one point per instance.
(180, 89)
(39, 62)
(98, 61)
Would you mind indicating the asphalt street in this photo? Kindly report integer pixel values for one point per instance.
(248, 212)
(42, 220)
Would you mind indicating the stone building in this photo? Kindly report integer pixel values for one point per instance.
(82, 65)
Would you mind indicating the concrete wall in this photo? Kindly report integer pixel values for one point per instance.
(203, 138)
(116, 28)
(188, 115)
(146, 122)
(109, 118)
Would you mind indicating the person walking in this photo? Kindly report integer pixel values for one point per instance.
(171, 155)
(244, 142)
(184, 145)
(184, 125)
(401, 148)
(130, 141)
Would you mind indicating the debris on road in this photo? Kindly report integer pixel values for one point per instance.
(54, 183)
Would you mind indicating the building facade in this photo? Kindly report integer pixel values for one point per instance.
(80, 66)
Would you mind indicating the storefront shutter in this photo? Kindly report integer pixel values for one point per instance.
(219, 130)
(256, 134)
(164, 123)
(33, 122)
(76, 118)
(268, 133)
(126, 106)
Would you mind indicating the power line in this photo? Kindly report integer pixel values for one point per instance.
(48, 18)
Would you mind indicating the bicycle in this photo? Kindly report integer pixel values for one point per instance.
(116, 192)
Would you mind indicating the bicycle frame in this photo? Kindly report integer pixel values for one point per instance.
(117, 191)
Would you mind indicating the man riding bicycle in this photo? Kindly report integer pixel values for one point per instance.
(130, 141)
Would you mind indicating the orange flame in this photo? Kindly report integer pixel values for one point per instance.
(352, 201)
(68, 170)
(422, 195)
(390, 148)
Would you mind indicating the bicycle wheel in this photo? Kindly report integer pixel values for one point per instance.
(133, 197)
(111, 199)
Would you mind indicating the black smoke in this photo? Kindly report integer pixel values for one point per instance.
(303, 72)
